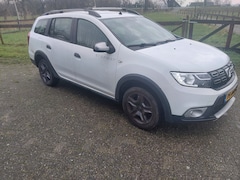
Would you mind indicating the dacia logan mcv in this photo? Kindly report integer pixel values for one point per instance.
(120, 54)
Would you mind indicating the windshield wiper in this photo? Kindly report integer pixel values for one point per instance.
(145, 45)
(167, 41)
(142, 45)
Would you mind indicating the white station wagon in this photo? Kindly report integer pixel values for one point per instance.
(154, 74)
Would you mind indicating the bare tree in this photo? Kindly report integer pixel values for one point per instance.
(108, 3)
(35, 7)
(23, 7)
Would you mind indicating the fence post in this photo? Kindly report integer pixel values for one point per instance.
(185, 26)
(229, 38)
(1, 38)
(195, 12)
(18, 21)
(190, 34)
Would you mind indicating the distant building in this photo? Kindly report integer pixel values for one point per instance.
(201, 4)
(172, 3)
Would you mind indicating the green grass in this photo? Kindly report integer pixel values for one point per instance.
(9, 18)
(163, 16)
(219, 39)
(15, 48)
(227, 11)
(234, 57)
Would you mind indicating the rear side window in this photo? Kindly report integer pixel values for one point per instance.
(89, 34)
(41, 26)
(61, 29)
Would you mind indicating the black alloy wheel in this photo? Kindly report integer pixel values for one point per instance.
(141, 108)
(46, 73)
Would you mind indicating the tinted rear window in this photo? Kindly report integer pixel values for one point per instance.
(40, 28)
(61, 29)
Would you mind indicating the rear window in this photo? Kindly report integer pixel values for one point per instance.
(41, 26)
(61, 29)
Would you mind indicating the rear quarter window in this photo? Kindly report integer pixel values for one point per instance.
(41, 26)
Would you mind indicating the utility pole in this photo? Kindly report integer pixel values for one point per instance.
(18, 17)
(15, 5)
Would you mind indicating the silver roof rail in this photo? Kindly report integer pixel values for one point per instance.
(114, 9)
(61, 11)
(92, 11)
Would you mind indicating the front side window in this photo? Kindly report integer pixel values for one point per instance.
(41, 26)
(61, 29)
(89, 34)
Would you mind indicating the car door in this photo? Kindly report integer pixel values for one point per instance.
(96, 70)
(60, 47)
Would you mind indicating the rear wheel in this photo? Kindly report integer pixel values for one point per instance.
(46, 73)
(141, 108)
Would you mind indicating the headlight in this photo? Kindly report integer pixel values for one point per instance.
(193, 79)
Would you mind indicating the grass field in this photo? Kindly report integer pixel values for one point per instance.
(217, 10)
(15, 48)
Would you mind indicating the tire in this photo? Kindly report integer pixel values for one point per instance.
(141, 108)
(46, 73)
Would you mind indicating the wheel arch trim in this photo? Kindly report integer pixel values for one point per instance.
(40, 54)
(43, 56)
(135, 79)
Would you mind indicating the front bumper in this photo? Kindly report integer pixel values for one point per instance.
(212, 113)
(215, 103)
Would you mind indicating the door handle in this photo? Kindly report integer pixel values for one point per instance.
(49, 47)
(77, 55)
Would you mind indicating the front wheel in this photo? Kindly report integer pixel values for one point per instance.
(141, 108)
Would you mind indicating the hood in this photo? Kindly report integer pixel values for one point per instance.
(187, 56)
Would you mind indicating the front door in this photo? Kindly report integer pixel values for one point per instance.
(93, 69)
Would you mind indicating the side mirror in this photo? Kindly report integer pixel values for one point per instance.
(102, 47)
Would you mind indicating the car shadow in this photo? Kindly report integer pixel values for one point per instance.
(95, 98)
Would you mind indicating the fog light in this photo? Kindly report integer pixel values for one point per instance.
(194, 113)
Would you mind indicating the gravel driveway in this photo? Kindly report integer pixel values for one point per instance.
(68, 132)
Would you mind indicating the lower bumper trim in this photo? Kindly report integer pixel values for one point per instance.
(213, 113)
(225, 108)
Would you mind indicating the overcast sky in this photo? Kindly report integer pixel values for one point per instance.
(233, 2)
(187, 2)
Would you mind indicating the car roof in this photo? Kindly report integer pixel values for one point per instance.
(100, 13)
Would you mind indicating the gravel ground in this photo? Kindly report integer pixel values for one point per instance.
(68, 132)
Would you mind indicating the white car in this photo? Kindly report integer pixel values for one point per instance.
(120, 54)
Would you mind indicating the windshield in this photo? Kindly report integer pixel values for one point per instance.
(138, 32)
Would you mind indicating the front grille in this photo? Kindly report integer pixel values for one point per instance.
(221, 77)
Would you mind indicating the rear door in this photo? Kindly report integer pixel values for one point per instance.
(60, 47)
